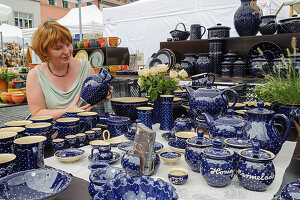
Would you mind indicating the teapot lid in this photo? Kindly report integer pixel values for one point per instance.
(238, 141)
(182, 119)
(230, 54)
(230, 119)
(216, 151)
(255, 154)
(260, 110)
(219, 26)
(239, 62)
(291, 190)
(200, 140)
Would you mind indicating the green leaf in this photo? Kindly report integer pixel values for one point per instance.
(153, 95)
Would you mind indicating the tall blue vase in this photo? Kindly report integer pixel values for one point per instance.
(246, 19)
(145, 115)
(166, 112)
(157, 111)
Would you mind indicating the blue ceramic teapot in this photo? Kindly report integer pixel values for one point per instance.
(209, 100)
(224, 126)
(95, 88)
(260, 125)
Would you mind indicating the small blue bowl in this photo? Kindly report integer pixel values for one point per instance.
(98, 165)
(178, 176)
(170, 158)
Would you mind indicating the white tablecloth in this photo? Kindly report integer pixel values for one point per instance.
(195, 188)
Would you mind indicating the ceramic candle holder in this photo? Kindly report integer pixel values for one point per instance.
(178, 176)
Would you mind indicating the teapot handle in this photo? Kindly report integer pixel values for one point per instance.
(287, 123)
(235, 96)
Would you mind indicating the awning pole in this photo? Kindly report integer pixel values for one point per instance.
(2, 49)
(80, 25)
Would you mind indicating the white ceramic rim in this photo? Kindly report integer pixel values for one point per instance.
(38, 125)
(178, 170)
(5, 135)
(7, 157)
(30, 139)
(130, 99)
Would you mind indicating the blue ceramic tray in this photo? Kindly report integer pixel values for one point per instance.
(125, 146)
(115, 158)
(34, 184)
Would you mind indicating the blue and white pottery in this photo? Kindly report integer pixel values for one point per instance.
(157, 111)
(201, 79)
(6, 141)
(145, 115)
(30, 152)
(34, 184)
(131, 163)
(227, 68)
(90, 135)
(255, 169)
(193, 151)
(127, 145)
(98, 165)
(215, 54)
(291, 191)
(183, 124)
(259, 66)
(239, 68)
(118, 125)
(217, 165)
(101, 176)
(71, 113)
(43, 129)
(291, 111)
(98, 132)
(58, 144)
(90, 118)
(171, 157)
(104, 117)
(181, 138)
(188, 66)
(202, 64)
(167, 112)
(69, 126)
(137, 188)
(131, 130)
(8, 164)
(69, 155)
(71, 140)
(21, 123)
(126, 106)
(191, 57)
(199, 122)
(246, 19)
(178, 176)
(209, 100)
(104, 149)
(115, 157)
(236, 144)
(224, 126)
(260, 125)
(81, 138)
(170, 135)
(95, 88)
(219, 31)
(39, 119)
(268, 25)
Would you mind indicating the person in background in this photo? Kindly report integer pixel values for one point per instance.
(53, 87)
(8, 60)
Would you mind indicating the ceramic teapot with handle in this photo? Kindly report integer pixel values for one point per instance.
(209, 100)
(260, 125)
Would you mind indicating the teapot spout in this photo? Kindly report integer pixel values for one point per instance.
(190, 91)
(208, 118)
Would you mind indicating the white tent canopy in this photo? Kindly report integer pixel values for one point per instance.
(11, 33)
(92, 21)
(142, 25)
(5, 11)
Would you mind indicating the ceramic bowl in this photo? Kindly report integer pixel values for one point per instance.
(126, 106)
(170, 158)
(178, 176)
(98, 165)
(118, 125)
(9, 97)
(34, 184)
(69, 155)
(3, 97)
(137, 188)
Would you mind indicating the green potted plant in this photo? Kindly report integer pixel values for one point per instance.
(6, 75)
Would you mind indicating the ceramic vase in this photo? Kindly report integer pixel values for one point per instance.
(157, 111)
(215, 55)
(167, 112)
(145, 115)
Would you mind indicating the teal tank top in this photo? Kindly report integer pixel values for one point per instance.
(57, 99)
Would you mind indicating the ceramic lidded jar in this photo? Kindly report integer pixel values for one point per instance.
(191, 57)
(193, 151)
(291, 191)
(217, 165)
(258, 66)
(230, 56)
(202, 64)
(188, 67)
(239, 68)
(226, 68)
(219, 30)
(183, 123)
(255, 168)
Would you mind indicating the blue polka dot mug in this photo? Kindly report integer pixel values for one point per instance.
(8, 164)
(6, 141)
(69, 126)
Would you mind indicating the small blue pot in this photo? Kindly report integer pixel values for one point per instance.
(178, 176)
(118, 125)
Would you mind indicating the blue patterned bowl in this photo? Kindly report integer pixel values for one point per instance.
(69, 155)
(170, 158)
(291, 191)
(178, 176)
(34, 184)
(98, 165)
(137, 188)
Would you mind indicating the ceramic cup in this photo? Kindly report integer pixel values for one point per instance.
(71, 140)
(102, 41)
(98, 132)
(103, 148)
(42, 128)
(30, 152)
(94, 43)
(90, 135)
(181, 138)
(81, 137)
(58, 144)
(178, 176)
(8, 164)
(90, 118)
(19, 130)
(71, 113)
(6, 141)
(21, 123)
(114, 41)
(38, 119)
(145, 115)
(69, 126)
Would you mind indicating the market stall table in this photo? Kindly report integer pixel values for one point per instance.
(196, 188)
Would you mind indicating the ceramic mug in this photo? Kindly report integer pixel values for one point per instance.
(71, 113)
(21, 123)
(71, 140)
(38, 119)
(8, 164)
(6, 141)
(81, 137)
(145, 115)
(114, 41)
(58, 144)
(30, 152)
(98, 132)
(90, 118)
(103, 148)
(90, 135)
(69, 126)
(94, 43)
(19, 130)
(102, 41)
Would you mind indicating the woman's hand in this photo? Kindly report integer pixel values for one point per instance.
(87, 107)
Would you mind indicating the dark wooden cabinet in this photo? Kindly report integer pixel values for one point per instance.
(113, 55)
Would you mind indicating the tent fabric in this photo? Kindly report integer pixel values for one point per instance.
(11, 33)
(5, 11)
(142, 25)
(91, 17)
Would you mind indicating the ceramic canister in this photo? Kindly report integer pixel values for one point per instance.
(69, 126)
(167, 112)
(217, 165)
(30, 152)
(6, 141)
(255, 169)
(90, 118)
(8, 164)
(42, 128)
(183, 124)
(104, 149)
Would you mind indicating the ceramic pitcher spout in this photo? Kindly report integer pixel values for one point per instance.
(190, 91)
(208, 118)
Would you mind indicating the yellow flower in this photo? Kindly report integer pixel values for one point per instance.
(173, 74)
(183, 73)
(162, 68)
(154, 71)
(144, 72)
(140, 81)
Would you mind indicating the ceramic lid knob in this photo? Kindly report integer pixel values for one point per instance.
(200, 133)
(217, 143)
(260, 104)
(208, 84)
(229, 112)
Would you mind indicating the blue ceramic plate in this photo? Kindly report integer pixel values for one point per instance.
(125, 146)
(115, 158)
(69, 155)
(164, 56)
(34, 184)
(154, 62)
